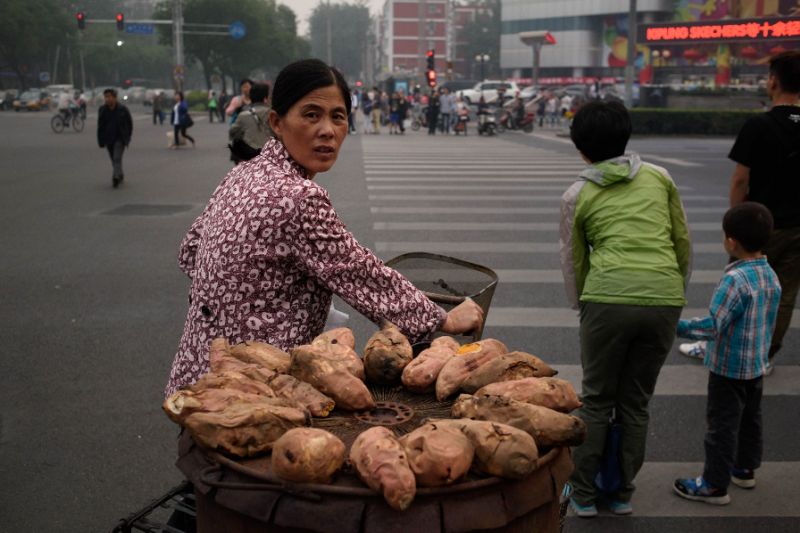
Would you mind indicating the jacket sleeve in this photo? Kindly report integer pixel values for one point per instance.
(128, 126)
(726, 306)
(574, 249)
(189, 245)
(327, 251)
(100, 122)
(681, 240)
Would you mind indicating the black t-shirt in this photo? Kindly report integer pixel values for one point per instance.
(769, 145)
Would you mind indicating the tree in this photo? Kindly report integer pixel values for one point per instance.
(482, 35)
(349, 26)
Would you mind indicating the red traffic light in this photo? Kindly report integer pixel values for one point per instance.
(80, 16)
(429, 53)
(431, 75)
(120, 21)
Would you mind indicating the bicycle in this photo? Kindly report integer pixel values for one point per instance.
(65, 119)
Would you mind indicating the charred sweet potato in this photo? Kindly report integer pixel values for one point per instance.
(261, 353)
(421, 373)
(343, 336)
(547, 427)
(500, 450)
(438, 455)
(307, 455)
(339, 356)
(244, 429)
(380, 461)
(185, 402)
(386, 355)
(468, 358)
(507, 367)
(291, 388)
(231, 380)
(347, 391)
(557, 394)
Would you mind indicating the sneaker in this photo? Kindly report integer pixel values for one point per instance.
(115, 182)
(699, 491)
(620, 508)
(566, 492)
(583, 511)
(695, 350)
(744, 478)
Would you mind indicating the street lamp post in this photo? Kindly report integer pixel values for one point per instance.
(482, 58)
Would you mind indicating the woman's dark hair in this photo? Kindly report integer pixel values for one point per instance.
(300, 78)
(179, 94)
(750, 223)
(786, 68)
(246, 80)
(601, 130)
(259, 92)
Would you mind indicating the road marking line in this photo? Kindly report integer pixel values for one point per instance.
(465, 187)
(505, 198)
(468, 179)
(533, 276)
(459, 172)
(500, 247)
(481, 210)
(670, 160)
(499, 226)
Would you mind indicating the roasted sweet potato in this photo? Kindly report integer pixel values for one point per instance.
(421, 373)
(380, 461)
(468, 358)
(291, 388)
(500, 450)
(185, 402)
(547, 427)
(507, 367)
(231, 380)
(326, 376)
(386, 355)
(343, 336)
(438, 455)
(307, 455)
(244, 429)
(339, 356)
(261, 353)
(554, 393)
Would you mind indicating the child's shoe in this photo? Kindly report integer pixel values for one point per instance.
(695, 350)
(583, 511)
(699, 491)
(744, 478)
(620, 508)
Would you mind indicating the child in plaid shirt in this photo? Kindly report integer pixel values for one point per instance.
(739, 331)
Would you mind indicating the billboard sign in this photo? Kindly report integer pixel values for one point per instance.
(729, 30)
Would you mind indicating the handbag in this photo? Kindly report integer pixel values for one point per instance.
(189, 121)
(609, 476)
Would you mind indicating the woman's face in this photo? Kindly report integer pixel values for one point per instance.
(313, 129)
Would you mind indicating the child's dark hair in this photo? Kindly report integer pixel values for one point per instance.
(601, 130)
(786, 68)
(259, 92)
(750, 224)
(302, 77)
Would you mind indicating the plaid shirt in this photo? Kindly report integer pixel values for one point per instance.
(739, 329)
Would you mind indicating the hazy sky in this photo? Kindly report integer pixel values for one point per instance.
(303, 9)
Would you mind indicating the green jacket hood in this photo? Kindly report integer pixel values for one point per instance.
(611, 171)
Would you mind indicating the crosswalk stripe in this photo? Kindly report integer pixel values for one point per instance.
(564, 317)
(468, 179)
(465, 187)
(401, 171)
(692, 379)
(524, 247)
(499, 226)
(508, 198)
(533, 276)
(481, 210)
(670, 160)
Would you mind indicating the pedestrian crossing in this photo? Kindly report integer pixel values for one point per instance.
(497, 203)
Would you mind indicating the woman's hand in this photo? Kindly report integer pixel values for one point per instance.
(467, 316)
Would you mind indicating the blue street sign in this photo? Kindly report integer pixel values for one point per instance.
(44, 77)
(237, 30)
(138, 28)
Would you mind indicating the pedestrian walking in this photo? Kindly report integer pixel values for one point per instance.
(767, 156)
(434, 103)
(551, 110)
(743, 313)
(251, 130)
(237, 103)
(212, 107)
(366, 111)
(114, 131)
(446, 109)
(376, 111)
(402, 111)
(158, 108)
(394, 113)
(352, 116)
(625, 256)
(181, 120)
(222, 102)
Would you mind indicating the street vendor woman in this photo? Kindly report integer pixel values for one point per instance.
(269, 250)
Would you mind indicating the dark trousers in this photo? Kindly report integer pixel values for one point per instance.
(622, 350)
(158, 117)
(211, 114)
(115, 153)
(432, 119)
(181, 130)
(783, 255)
(445, 123)
(733, 418)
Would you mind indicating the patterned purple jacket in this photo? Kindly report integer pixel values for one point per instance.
(265, 257)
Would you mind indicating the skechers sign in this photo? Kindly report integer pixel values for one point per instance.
(721, 31)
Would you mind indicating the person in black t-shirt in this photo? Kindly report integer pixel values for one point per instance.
(767, 156)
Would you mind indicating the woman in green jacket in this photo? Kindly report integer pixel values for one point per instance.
(626, 259)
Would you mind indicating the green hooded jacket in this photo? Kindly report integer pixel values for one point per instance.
(624, 236)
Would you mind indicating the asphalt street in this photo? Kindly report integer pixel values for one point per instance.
(92, 304)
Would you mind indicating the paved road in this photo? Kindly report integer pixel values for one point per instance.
(92, 304)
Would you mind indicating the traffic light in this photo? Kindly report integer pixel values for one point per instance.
(431, 74)
(120, 21)
(431, 55)
(81, 18)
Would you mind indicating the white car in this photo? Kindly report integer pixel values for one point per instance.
(489, 90)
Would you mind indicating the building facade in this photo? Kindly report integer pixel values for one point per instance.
(407, 29)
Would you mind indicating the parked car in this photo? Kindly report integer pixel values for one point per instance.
(489, 90)
(458, 85)
(134, 95)
(7, 98)
(32, 100)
